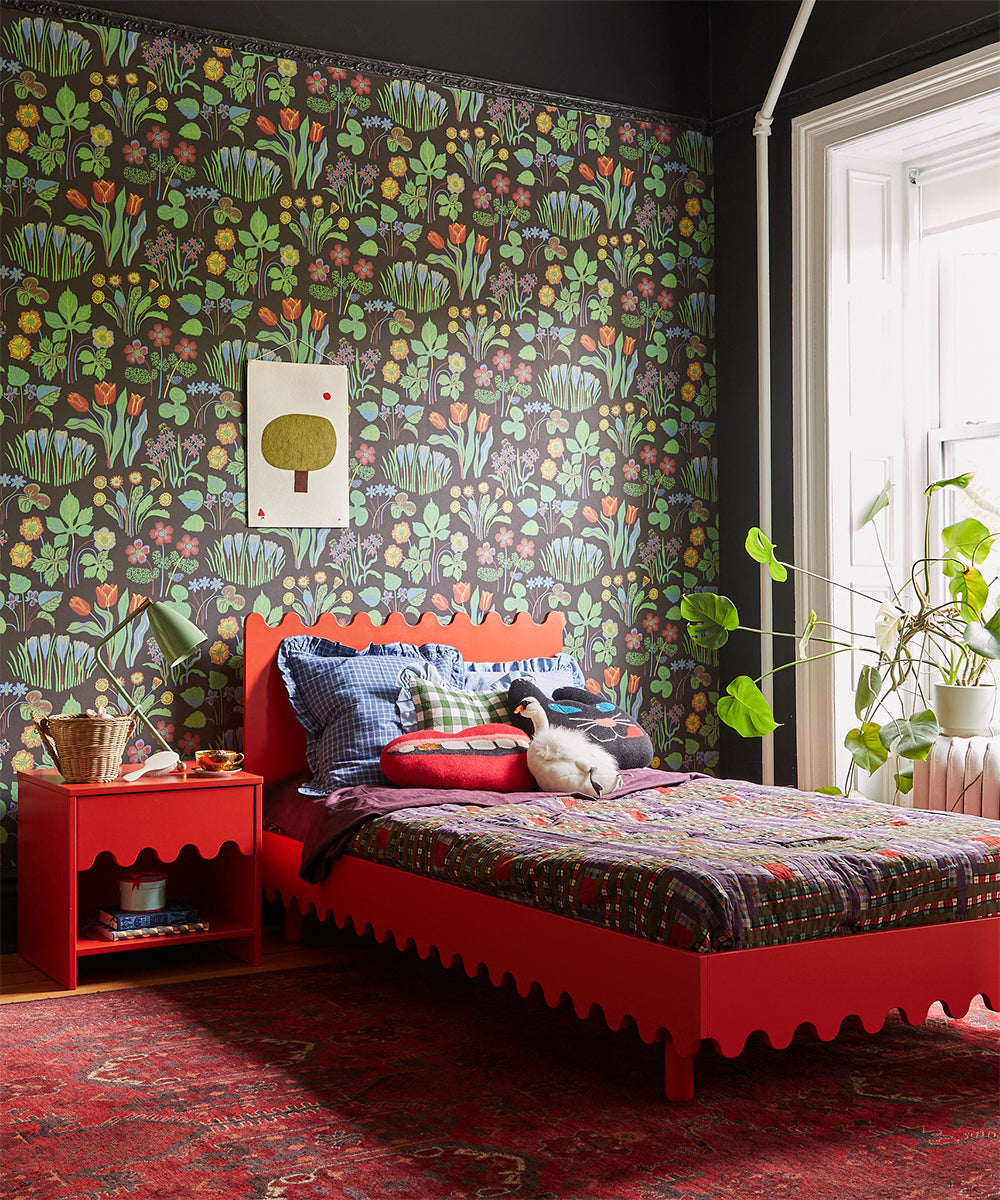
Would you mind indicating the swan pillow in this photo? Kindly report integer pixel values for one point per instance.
(603, 722)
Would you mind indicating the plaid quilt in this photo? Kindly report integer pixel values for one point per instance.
(707, 865)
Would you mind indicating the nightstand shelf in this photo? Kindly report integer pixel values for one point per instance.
(75, 839)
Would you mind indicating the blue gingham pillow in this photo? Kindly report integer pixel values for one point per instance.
(346, 700)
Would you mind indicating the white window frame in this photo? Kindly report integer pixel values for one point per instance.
(814, 136)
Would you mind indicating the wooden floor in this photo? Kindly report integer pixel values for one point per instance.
(174, 964)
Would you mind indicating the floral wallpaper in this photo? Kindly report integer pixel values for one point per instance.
(521, 292)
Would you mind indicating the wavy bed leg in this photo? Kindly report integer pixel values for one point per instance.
(679, 1072)
(293, 923)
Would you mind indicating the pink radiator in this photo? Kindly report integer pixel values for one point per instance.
(960, 775)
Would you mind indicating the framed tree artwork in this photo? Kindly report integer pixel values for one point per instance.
(297, 445)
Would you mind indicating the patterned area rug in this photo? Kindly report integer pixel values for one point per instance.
(390, 1077)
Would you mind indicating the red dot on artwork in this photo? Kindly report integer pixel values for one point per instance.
(326, 395)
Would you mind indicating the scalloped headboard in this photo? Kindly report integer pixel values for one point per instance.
(274, 743)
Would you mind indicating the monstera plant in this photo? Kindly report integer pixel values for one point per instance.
(923, 631)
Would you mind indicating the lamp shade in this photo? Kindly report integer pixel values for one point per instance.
(177, 638)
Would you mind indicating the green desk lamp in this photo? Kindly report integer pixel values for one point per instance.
(177, 639)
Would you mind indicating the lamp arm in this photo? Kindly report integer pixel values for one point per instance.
(134, 708)
(135, 613)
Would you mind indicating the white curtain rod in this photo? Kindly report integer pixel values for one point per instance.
(762, 131)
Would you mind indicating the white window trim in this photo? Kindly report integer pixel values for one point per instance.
(814, 135)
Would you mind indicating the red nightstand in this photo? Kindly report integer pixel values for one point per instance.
(75, 839)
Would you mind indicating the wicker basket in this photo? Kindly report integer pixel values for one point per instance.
(86, 749)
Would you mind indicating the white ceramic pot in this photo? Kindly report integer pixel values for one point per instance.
(964, 711)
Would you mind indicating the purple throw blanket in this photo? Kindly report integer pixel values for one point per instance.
(338, 818)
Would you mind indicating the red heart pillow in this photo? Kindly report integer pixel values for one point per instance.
(491, 758)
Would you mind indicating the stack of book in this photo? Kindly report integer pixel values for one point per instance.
(116, 925)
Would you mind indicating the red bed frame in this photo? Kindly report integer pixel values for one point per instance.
(688, 997)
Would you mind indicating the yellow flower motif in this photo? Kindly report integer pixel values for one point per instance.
(165, 499)
(397, 165)
(546, 296)
(693, 207)
(346, 596)
(690, 557)
(554, 273)
(543, 122)
(100, 499)
(687, 391)
(303, 581)
(316, 201)
(167, 698)
(698, 701)
(685, 226)
(163, 300)
(390, 189)
(556, 447)
(288, 598)
(21, 554)
(131, 79)
(548, 469)
(285, 218)
(215, 263)
(214, 70)
(98, 280)
(694, 371)
(451, 147)
(30, 737)
(136, 678)
(27, 114)
(97, 297)
(217, 458)
(401, 532)
(343, 224)
(697, 536)
(391, 372)
(96, 77)
(100, 481)
(320, 577)
(133, 477)
(18, 141)
(289, 256)
(502, 154)
(19, 347)
(693, 723)
(451, 132)
(100, 135)
(393, 556)
(288, 582)
(225, 239)
(31, 528)
(23, 761)
(399, 349)
(300, 202)
(226, 433)
(218, 653)
(161, 103)
(95, 95)
(229, 627)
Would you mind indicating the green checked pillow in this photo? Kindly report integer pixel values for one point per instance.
(428, 704)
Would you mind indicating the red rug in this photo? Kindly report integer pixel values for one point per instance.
(387, 1077)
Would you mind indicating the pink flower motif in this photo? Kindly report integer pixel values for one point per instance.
(646, 286)
(631, 469)
(501, 360)
(501, 184)
(505, 537)
(481, 198)
(137, 551)
(522, 197)
(525, 548)
(161, 534)
(522, 373)
(485, 554)
(365, 454)
(482, 375)
(188, 546)
(340, 255)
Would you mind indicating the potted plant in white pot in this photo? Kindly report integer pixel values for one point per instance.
(949, 635)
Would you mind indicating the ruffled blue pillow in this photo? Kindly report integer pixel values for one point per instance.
(346, 701)
(560, 670)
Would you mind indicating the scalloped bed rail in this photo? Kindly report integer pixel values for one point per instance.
(689, 997)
